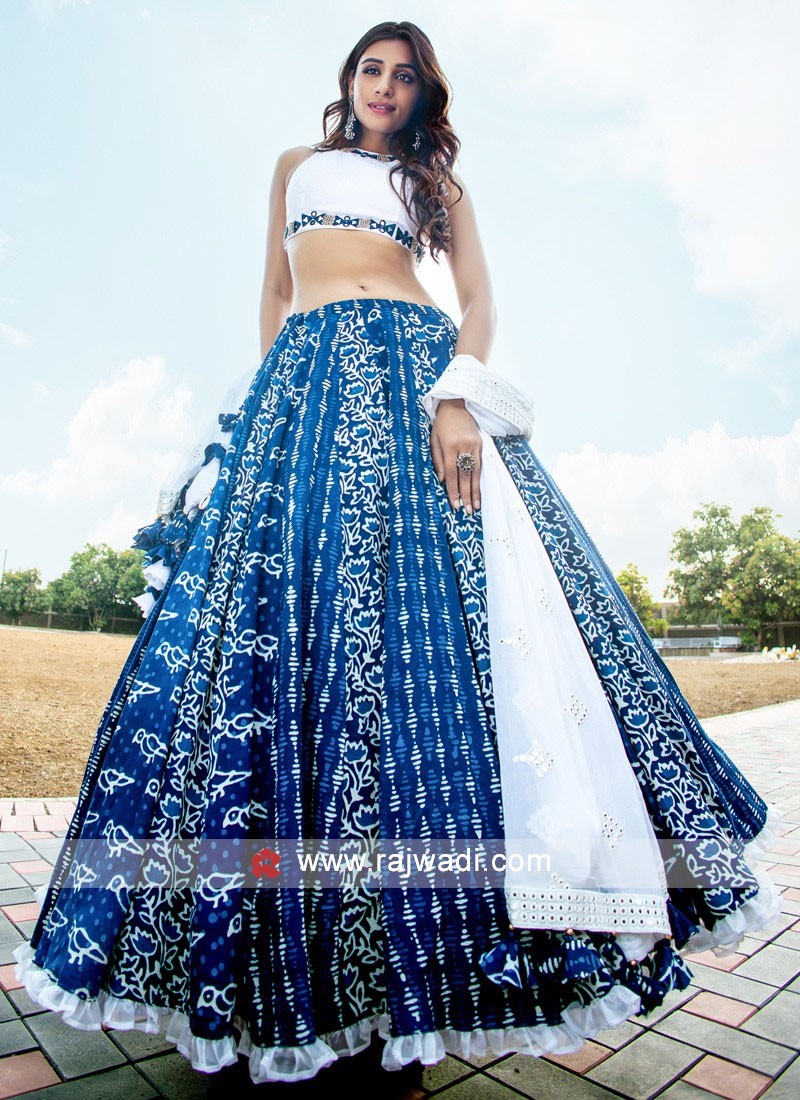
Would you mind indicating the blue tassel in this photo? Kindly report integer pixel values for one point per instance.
(147, 537)
(681, 927)
(506, 964)
(580, 959)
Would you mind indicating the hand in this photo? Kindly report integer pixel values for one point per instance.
(454, 430)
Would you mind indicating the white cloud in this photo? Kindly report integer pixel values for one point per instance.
(118, 526)
(41, 389)
(699, 101)
(14, 336)
(128, 431)
(631, 503)
(47, 10)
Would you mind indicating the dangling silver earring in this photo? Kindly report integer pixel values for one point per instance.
(416, 140)
(350, 128)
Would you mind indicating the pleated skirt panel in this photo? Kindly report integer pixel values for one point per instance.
(317, 666)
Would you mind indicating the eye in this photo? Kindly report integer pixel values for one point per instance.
(369, 70)
(408, 79)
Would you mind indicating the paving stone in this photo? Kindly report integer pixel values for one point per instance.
(780, 924)
(138, 1044)
(589, 1055)
(17, 855)
(27, 865)
(14, 1037)
(7, 952)
(9, 879)
(790, 938)
(737, 1046)
(682, 1090)
(14, 823)
(445, 1073)
(778, 1020)
(17, 896)
(727, 1079)
(750, 945)
(783, 878)
(23, 1002)
(37, 878)
(722, 1009)
(719, 962)
(8, 979)
(536, 1078)
(645, 1066)
(112, 1084)
(16, 913)
(9, 841)
(481, 1060)
(732, 985)
(21, 1072)
(8, 1009)
(29, 805)
(787, 1086)
(174, 1079)
(616, 1037)
(673, 1000)
(73, 1052)
(8, 931)
(775, 965)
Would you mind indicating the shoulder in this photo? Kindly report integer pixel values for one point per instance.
(289, 159)
(456, 190)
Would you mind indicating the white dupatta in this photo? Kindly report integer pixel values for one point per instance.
(579, 844)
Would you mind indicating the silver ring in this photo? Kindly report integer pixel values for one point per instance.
(465, 460)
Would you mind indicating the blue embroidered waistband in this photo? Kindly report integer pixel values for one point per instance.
(326, 219)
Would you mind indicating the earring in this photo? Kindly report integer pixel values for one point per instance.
(416, 140)
(350, 128)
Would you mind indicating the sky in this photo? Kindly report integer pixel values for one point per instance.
(634, 170)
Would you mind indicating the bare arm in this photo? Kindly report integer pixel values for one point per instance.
(470, 271)
(454, 429)
(277, 290)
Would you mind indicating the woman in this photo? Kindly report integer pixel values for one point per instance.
(376, 625)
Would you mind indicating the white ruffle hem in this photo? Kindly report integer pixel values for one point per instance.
(303, 1062)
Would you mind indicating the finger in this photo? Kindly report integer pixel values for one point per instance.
(476, 482)
(452, 481)
(437, 456)
(470, 483)
(465, 489)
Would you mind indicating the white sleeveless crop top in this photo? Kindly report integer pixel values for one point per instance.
(349, 189)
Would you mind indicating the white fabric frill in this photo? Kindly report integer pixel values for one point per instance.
(759, 912)
(303, 1062)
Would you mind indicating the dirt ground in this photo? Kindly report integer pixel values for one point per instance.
(54, 686)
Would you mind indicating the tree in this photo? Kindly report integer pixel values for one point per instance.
(100, 582)
(21, 592)
(747, 572)
(635, 587)
(704, 554)
(765, 588)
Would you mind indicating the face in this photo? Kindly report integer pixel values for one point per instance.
(386, 87)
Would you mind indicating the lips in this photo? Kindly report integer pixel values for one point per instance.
(381, 108)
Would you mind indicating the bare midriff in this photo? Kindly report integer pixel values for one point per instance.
(332, 265)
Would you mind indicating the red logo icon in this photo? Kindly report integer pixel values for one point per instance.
(266, 863)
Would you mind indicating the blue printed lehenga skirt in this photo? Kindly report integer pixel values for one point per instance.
(316, 665)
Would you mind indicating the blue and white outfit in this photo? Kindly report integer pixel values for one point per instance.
(331, 653)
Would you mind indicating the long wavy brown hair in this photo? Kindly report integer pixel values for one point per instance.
(429, 169)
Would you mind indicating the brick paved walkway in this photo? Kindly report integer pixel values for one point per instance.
(733, 1033)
